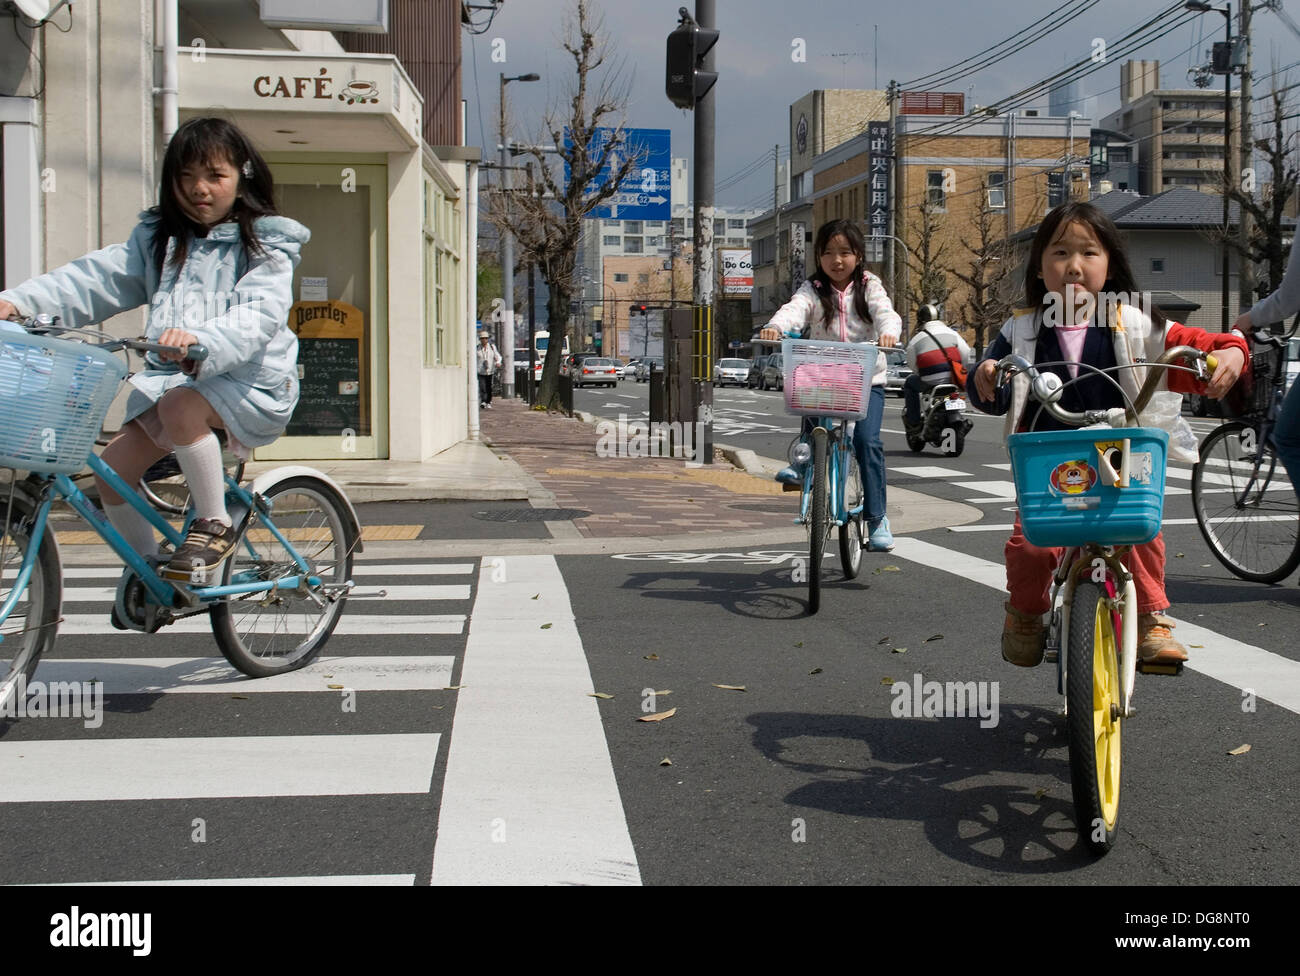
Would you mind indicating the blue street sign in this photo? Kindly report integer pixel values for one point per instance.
(646, 193)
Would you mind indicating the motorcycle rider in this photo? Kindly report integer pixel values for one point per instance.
(932, 354)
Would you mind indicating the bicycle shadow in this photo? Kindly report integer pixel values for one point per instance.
(936, 772)
(759, 597)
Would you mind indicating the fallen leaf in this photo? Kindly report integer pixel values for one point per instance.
(239, 697)
(883, 640)
(534, 596)
(663, 692)
(665, 761)
(798, 643)
(335, 687)
(933, 637)
(887, 569)
(658, 716)
(546, 626)
(439, 707)
(453, 687)
(1179, 555)
(815, 671)
(598, 694)
(1039, 793)
(886, 681)
(1261, 625)
(327, 676)
(1195, 645)
(1240, 750)
(1205, 565)
(900, 650)
(729, 687)
(652, 657)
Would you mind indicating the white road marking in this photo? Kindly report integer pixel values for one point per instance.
(1243, 666)
(929, 471)
(529, 795)
(214, 675)
(1001, 491)
(349, 625)
(358, 569)
(369, 593)
(64, 770)
(333, 880)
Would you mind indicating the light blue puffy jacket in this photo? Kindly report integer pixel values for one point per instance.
(236, 303)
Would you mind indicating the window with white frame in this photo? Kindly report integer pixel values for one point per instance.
(996, 183)
(935, 197)
(441, 232)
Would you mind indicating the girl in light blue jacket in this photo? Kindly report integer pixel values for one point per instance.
(215, 264)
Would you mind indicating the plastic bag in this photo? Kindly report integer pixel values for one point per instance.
(1166, 412)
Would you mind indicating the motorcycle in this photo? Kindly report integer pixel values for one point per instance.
(944, 423)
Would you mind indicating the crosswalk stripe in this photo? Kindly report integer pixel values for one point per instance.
(929, 471)
(1263, 673)
(358, 569)
(64, 770)
(334, 880)
(214, 675)
(349, 625)
(420, 593)
(529, 802)
(1001, 491)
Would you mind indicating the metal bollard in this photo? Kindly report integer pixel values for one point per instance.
(657, 398)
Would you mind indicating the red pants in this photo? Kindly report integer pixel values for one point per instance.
(1030, 568)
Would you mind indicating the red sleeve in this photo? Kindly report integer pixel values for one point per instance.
(1177, 334)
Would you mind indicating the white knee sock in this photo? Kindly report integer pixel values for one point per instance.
(133, 527)
(201, 464)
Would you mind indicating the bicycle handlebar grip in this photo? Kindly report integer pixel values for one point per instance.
(1211, 362)
(197, 352)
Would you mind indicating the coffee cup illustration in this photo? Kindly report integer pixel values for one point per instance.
(359, 91)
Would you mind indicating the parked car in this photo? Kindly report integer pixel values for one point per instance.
(629, 371)
(896, 370)
(643, 368)
(730, 371)
(595, 371)
(756, 371)
(773, 373)
(568, 364)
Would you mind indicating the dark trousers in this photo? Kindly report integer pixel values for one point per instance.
(484, 388)
(912, 387)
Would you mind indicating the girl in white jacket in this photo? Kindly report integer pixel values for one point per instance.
(844, 302)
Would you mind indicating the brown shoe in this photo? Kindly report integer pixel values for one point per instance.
(207, 545)
(1156, 645)
(1023, 638)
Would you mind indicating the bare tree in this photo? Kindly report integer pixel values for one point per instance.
(547, 220)
(1265, 246)
(925, 258)
(986, 271)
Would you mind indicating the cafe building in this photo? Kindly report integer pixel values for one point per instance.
(384, 291)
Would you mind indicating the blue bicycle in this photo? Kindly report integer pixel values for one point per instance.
(828, 383)
(279, 596)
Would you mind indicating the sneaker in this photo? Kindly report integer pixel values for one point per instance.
(1023, 638)
(1156, 645)
(790, 476)
(879, 538)
(487, 406)
(206, 547)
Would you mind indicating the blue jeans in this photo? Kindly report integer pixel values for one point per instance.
(869, 449)
(1286, 435)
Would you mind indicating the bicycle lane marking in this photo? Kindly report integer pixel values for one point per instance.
(1243, 666)
(529, 795)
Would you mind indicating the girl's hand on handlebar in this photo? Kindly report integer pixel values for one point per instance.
(8, 313)
(986, 384)
(770, 333)
(1231, 363)
(178, 338)
(887, 342)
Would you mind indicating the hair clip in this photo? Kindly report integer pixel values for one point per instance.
(247, 169)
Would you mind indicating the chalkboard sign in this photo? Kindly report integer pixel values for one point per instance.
(331, 370)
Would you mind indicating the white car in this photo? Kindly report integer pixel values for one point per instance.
(730, 371)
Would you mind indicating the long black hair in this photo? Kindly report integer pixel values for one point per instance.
(821, 281)
(1119, 275)
(199, 142)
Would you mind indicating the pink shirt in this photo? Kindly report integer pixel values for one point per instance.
(1071, 338)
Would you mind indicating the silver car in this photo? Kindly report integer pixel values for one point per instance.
(730, 371)
(896, 370)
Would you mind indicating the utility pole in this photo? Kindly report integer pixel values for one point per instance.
(1245, 222)
(706, 17)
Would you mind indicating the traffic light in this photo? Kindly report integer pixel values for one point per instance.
(642, 308)
(687, 45)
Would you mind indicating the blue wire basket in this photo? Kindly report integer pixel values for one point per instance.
(54, 394)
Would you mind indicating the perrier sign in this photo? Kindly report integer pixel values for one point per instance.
(333, 397)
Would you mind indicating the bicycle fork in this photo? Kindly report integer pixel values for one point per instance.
(1105, 568)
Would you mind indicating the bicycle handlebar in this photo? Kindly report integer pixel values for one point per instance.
(1047, 388)
(41, 324)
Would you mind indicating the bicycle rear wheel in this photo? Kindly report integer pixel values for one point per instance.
(1245, 505)
(817, 520)
(30, 628)
(274, 631)
(1093, 719)
(852, 537)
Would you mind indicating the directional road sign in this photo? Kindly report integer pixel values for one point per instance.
(645, 194)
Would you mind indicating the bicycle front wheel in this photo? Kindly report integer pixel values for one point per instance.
(30, 628)
(1245, 505)
(851, 532)
(817, 521)
(1092, 704)
(277, 630)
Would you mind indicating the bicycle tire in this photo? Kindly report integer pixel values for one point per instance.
(257, 632)
(852, 539)
(1094, 724)
(817, 520)
(21, 649)
(1250, 522)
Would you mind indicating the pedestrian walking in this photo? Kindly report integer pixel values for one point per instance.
(488, 361)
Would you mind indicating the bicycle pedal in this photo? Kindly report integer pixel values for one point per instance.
(1150, 667)
(785, 487)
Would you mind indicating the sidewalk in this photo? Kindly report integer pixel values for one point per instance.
(551, 461)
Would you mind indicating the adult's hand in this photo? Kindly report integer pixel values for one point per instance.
(986, 379)
(1243, 323)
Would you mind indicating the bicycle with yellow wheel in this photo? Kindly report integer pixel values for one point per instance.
(1095, 493)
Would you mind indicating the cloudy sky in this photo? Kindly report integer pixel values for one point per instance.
(847, 44)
